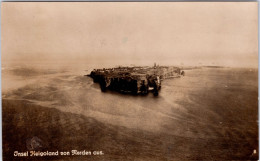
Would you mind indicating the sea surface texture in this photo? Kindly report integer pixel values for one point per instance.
(208, 114)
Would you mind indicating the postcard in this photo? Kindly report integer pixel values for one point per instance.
(143, 81)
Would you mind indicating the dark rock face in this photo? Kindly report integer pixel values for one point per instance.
(135, 80)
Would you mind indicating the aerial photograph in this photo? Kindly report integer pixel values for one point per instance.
(129, 81)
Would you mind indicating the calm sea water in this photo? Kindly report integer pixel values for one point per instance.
(217, 105)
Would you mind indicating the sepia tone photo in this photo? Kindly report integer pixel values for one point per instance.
(129, 81)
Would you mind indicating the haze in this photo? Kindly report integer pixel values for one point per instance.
(141, 33)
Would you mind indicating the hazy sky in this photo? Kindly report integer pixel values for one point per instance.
(192, 33)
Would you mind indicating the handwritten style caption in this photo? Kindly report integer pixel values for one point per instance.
(56, 153)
